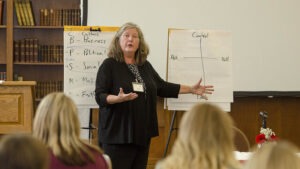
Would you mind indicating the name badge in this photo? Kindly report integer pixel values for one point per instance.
(137, 87)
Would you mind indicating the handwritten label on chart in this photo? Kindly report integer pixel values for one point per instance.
(84, 51)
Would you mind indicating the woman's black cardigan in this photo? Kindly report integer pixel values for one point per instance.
(132, 121)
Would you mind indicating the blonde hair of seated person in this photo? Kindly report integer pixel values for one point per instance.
(56, 123)
(22, 151)
(204, 141)
(274, 155)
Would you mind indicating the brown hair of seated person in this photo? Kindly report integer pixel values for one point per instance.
(22, 151)
(274, 155)
(204, 141)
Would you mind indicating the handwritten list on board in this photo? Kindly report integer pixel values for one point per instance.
(85, 48)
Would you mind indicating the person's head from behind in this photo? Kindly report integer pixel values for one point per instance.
(205, 139)
(22, 151)
(56, 118)
(129, 38)
(275, 155)
(56, 123)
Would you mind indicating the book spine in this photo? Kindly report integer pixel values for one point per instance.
(50, 53)
(51, 17)
(35, 49)
(65, 17)
(27, 50)
(30, 12)
(22, 50)
(1, 11)
(40, 52)
(78, 13)
(74, 17)
(22, 12)
(46, 17)
(18, 13)
(2, 75)
(60, 16)
(45, 53)
(56, 17)
(26, 15)
(16, 51)
(69, 16)
(42, 19)
(61, 54)
(55, 55)
(31, 57)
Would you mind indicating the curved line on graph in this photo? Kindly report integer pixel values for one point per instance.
(202, 62)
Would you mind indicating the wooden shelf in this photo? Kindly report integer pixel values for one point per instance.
(38, 27)
(38, 63)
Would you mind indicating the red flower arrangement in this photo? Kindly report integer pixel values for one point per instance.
(266, 134)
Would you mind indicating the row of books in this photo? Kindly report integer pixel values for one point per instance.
(60, 17)
(28, 50)
(45, 87)
(24, 12)
(2, 75)
(48, 17)
(1, 11)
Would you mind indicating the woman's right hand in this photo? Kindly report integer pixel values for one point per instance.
(121, 97)
(126, 97)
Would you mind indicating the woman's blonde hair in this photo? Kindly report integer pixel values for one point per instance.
(205, 141)
(56, 123)
(115, 50)
(274, 155)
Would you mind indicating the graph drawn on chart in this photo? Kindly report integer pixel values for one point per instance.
(195, 54)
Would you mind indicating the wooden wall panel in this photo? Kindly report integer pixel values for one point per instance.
(16, 107)
(283, 116)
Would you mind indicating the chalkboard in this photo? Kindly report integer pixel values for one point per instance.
(85, 48)
(265, 34)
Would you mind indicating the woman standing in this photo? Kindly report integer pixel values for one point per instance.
(127, 87)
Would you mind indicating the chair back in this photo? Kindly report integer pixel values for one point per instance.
(241, 141)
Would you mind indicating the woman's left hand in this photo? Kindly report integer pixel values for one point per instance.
(202, 90)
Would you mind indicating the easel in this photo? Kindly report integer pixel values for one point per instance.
(170, 132)
(91, 127)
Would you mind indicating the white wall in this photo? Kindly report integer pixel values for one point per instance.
(266, 34)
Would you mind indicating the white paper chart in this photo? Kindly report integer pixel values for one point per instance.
(200, 54)
(85, 48)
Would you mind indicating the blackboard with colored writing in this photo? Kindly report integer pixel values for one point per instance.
(85, 48)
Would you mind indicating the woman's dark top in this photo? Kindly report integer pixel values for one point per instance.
(131, 121)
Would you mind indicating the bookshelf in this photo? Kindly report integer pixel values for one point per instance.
(2, 39)
(31, 36)
(1, 11)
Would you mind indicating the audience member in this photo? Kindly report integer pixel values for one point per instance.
(22, 151)
(204, 141)
(56, 123)
(274, 155)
